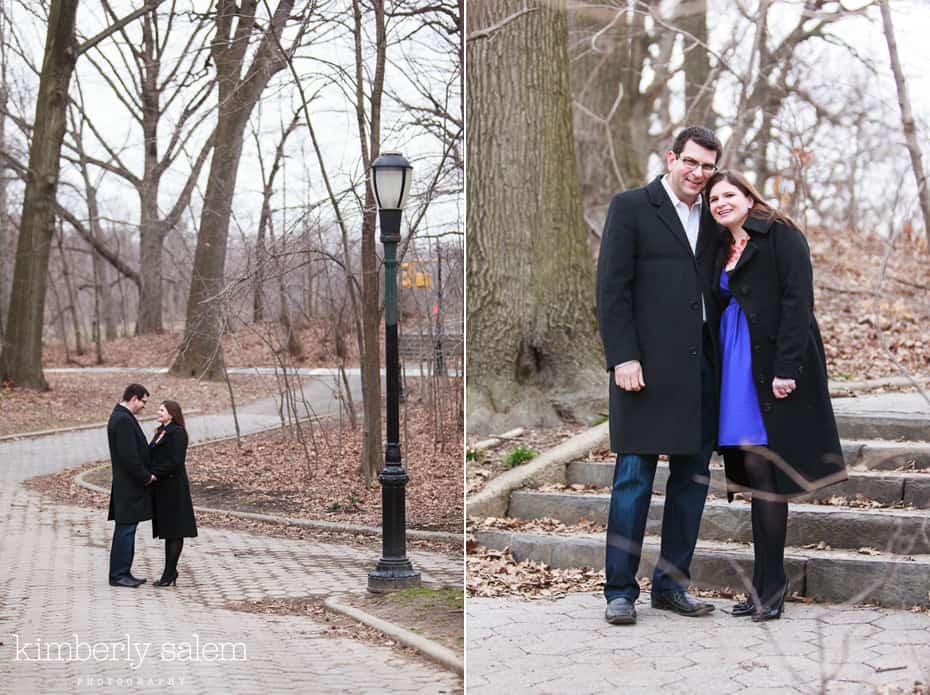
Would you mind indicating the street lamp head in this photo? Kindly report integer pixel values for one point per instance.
(391, 175)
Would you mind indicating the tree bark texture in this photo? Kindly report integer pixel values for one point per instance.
(21, 360)
(201, 353)
(533, 354)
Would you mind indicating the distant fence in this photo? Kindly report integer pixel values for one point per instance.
(433, 348)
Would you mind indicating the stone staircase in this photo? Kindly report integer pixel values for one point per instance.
(835, 553)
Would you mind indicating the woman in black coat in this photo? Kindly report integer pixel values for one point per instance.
(777, 431)
(173, 511)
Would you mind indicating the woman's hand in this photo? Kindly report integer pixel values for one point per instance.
(782, 388)
(629, 376)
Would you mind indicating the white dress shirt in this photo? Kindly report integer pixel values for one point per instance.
(690, 216)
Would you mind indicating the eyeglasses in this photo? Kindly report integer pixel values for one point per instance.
(693, 164)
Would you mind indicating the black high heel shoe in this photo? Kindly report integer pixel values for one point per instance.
(773, 612)
(167, 581)
(743, 608)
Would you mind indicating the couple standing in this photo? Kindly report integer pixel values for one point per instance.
(149, 482)
(705, 304)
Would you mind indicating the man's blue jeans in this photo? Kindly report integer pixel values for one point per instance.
(122, 550)
(685, 494)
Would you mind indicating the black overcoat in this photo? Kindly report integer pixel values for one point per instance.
(174, 510)
(130, 500)
(773, 284)
(649, 290)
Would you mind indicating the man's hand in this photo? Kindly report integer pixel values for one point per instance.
(782, 388)
(629, 376)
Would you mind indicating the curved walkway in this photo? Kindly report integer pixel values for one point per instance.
(64, 629)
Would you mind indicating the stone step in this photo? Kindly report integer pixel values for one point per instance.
(830, 576)
(898, 531)
(893, 416)
(887, 488)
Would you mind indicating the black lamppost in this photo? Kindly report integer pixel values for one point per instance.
(391, 177)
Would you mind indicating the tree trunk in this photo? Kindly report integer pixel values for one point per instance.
(5, 231)
(258, 282)
(72, 296)
(533, 353)
(699, 92)
(151, 230)
(60, 316)
(370, 352)
(201, 352)
(907, 118)
(21, 360)
(151, 243)
(96, 264)
(110, 328)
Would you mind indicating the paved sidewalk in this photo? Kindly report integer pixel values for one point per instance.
(53, 588)
(565, 646)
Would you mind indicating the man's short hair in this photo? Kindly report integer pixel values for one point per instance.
(704, 137)
(137, 390)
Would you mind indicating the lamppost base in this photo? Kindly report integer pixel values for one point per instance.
(393, 575)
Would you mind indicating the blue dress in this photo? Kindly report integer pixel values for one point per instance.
(740, 418)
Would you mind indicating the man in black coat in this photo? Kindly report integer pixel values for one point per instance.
(130, 501)
(657, 322)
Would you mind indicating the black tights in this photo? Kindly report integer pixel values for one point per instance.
(769, 526)
(173, 547)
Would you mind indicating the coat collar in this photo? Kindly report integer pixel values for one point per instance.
(758, 225)
(169, 429)
(666, 211)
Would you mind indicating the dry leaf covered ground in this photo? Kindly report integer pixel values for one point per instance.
(250, 345)
(847, 271)
(88, 398)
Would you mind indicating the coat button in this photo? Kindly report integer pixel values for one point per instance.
(766, 407)
(754, 318)
(800, 369)
(695, 306)
(761, 381)
(692, 351)
(745, 291)
(756, 348)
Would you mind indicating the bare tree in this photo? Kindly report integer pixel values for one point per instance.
(907, 118)
(5, 227)
(21, 359)
(200, 352)
(22, 342)
(145, 78)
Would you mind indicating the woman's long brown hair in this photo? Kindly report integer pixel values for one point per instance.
(760, 209)
(174, 410)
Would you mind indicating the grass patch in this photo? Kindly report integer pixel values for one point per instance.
(426, 600)
(518, 456)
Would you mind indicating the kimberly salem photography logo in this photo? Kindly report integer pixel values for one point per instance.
(126, 650)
